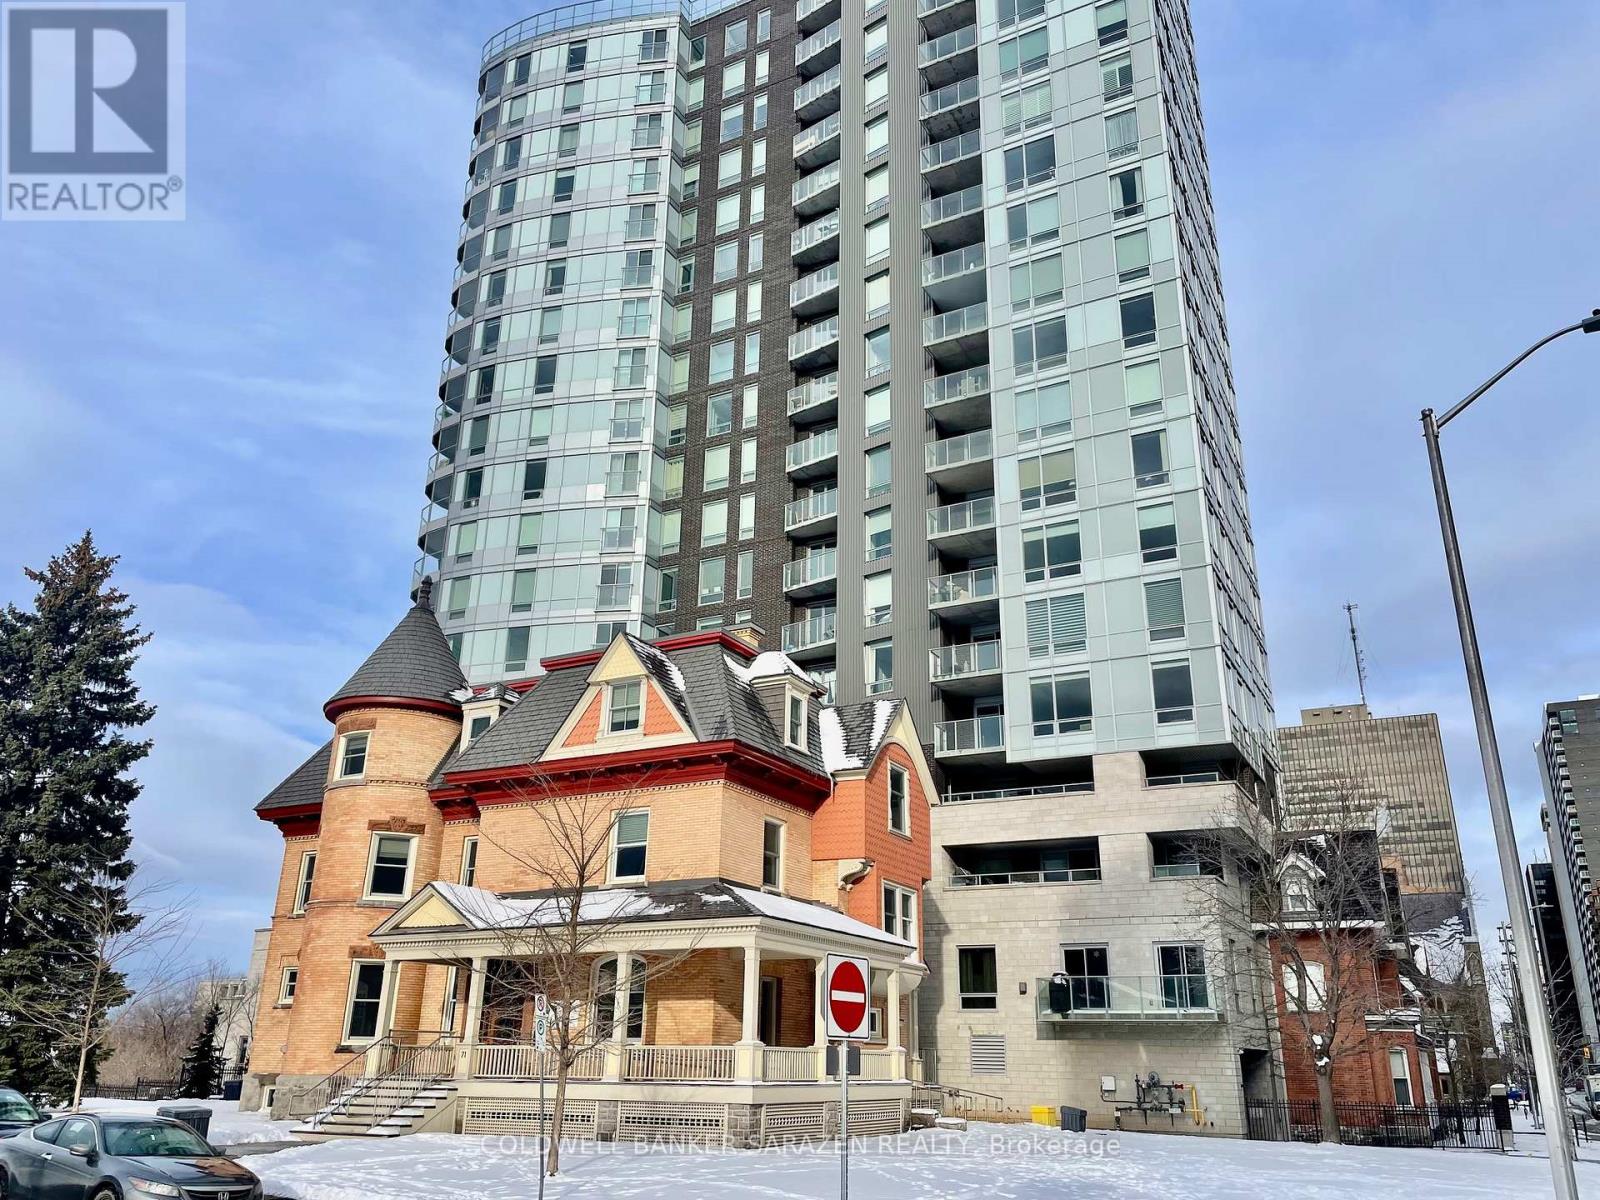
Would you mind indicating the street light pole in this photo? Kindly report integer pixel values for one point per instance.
(1538, 1021)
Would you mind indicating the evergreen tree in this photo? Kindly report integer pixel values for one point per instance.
(67, 702)
(202, 1065)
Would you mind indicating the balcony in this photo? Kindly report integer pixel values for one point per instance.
(964, 463)
(949, 57)
(955, 279)
(811, 638)
(1043, 791)
(813, 345)
(951, 109)
(971, 668)
(817, 242)
(814, 457)
(962, 394)
(817, 399)
(818, 97)
(817, 144)
(817, 192)
(818, 52)
(1102, 999)
(953, 163)
(976, 738)
(941, 16)
(966, 595)
(966, 527)
(813, 575)
(954, 220)
(812, 15)
(817, 293)
(958, 338)
(613, 595)
(813, 515)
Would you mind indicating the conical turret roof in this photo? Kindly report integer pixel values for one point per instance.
(413, 663)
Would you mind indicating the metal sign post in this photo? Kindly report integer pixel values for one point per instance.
(846, 989)
(844, 1121)
(541, 1031)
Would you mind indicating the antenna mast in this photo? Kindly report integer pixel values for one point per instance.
(1355, 645)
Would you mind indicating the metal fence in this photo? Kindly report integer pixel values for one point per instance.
(140, 1089)
(1442, 1126)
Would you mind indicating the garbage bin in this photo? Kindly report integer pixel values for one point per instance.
(232, 1088)
(195, 1117)
(1074, 1120)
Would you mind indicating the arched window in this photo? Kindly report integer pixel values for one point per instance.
(605, 991)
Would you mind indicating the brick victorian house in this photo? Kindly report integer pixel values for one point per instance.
(1384, 1054)
(749, 831)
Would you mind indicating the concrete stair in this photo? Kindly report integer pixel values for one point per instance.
(381, 1108)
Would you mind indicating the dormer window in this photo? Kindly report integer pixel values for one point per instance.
(625, 707)
(1297, 893)
(794, 730)
(478, 726)
(353, 755)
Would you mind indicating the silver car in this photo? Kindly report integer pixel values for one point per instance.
(107, 1156)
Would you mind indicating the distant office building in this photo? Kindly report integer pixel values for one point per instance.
(1555, 966)
(1391, 772)
(1569, 764)
(235, 998)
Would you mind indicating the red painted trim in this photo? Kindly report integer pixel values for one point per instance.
(294, 820)
(523, 686)
(333, 709)
(679, 641)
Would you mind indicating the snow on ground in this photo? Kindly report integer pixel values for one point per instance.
(1002, 1162)
(229, 1126)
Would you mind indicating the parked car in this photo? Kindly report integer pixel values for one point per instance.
(16, 1112)
(108, 1156)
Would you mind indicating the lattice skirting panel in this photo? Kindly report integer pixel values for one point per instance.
(782, 1122)
(648, 1119)
(876, 1116)
(481, 1114)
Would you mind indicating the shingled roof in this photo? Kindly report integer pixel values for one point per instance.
(413, 663)
(304, 784)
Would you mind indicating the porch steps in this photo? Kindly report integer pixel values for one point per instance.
(382, 1108)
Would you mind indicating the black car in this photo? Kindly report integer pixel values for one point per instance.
(108, 1156)
(16, 1112)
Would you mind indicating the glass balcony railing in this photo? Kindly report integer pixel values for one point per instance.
(815, 183)
(952, 263)
(808, 287)
(956, 204)
(952, 149)
(961, 385)
(972, 658)
(622, 483)
(815, 135)
(925, 7)
(821, 389)
(976, 446)
(815, 89)
(812, 449)
(952, 95)
(964, 587)
(613, 595)
(964, 517)
(972, 736)
(805, 8)
(954, 42)
(814, 568)
(814, 337)
(817, 43)
(1123, 997)
(815, 233)
(814, 631)
(811, 508)
(972, 319)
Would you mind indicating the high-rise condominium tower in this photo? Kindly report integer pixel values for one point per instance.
(897, 328)
(1569, 765)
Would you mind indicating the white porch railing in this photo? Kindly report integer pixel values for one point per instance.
(877, 1064)
(783, 1064)
(679, 1062)
(518, 1060)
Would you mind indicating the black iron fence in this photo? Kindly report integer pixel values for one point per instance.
(1444, 1126)
(140, 1089)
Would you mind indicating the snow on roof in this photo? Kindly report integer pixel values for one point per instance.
(882, 712)
(782, 908)
(766, 665)
(485, 910)
(662, 662)
(834, 756)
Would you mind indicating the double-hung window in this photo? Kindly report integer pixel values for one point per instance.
(629, 836)
(389, 866)
(353, 747)
(625, 706)
(308, 872)
(772, 855)
(899, 799)
(900, 912)
(365, 1001)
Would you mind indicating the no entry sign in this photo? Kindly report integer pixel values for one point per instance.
(845, 996)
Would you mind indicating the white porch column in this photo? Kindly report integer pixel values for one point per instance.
(616, 1048)
(898, 1065)
(477, 980)
(819, 1021)
(747, 1054)
(914, 1029)
(375, 1063)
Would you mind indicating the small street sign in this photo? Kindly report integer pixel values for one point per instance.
(845, 990)
(541, 1022)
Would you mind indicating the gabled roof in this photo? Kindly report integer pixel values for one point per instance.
(853, 733)
(304, 784)
(1351, 860)
(413, 663)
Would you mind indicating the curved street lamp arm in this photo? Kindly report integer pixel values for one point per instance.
(1590, 324)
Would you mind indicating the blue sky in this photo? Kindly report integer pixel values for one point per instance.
(239, 404)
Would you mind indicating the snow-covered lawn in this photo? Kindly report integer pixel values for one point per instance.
(229, 1126)
(991, 1162)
